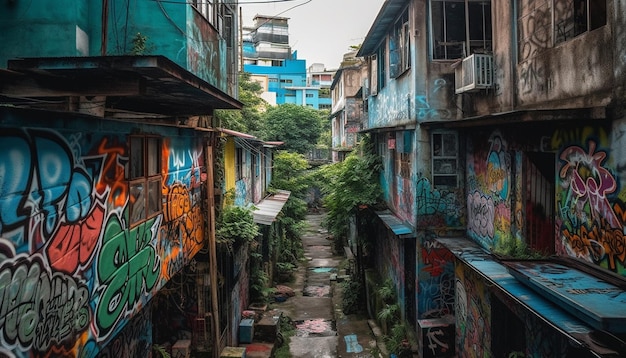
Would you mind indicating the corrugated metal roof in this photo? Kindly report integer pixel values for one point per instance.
(395, 224)
(268, 208)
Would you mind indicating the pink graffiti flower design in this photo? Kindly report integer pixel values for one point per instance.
(590, 180)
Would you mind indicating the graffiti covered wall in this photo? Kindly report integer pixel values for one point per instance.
(435, 280)
(489, 196)
(206, 51)
(473, 314)
(590, 195)
(73, 270)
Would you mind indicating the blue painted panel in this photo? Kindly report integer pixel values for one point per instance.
(599, 303)
(483, 263)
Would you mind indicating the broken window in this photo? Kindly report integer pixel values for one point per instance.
(399, 46)
(404, 147)
(460, 28)
(577, 17)
(445, 159)
(144, 178)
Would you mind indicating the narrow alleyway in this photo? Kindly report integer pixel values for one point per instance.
(323, 331)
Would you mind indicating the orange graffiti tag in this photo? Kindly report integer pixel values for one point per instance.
(113, 174)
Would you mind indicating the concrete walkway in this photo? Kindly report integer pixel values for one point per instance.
(322, 330)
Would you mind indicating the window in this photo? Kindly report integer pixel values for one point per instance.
(460, 28)
(382, 73)
(404, 146)
(445, 159)
(399, 46)
(239, 163)
(286, 81)
(206, 8)
(309, 95)
(578, 16)
(144, 178)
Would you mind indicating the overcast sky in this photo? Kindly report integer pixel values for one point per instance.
(320, 30)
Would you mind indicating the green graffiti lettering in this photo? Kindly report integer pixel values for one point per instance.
(128, 270)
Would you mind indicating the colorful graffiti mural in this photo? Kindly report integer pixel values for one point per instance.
(591, 215)
(473, 314)
(436, 281)
(73, 270)
(489, 199)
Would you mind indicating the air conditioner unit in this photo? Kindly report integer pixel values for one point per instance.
(474, 74)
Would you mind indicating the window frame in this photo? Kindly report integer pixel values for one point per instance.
(403, 153)
(584, 16)
(442, 157)
(466, 45)
(400, 46)
(381, 56)
(239, 163)
(144, 177)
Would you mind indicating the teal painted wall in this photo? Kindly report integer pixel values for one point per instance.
(43, 28)
(62, 28)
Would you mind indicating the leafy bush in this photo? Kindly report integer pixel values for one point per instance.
(350, 184)
(352, 300)
(236, 226)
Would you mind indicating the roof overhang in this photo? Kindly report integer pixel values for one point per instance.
(268, 208)
(522, 116)
(391, 128)
(386, 16)
(396, 225)
(147, 84)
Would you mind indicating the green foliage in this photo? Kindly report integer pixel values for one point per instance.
(290, 173)
(248, 119)
(350, 184)
(516, 249)
(397, 342)
(352, 300)
(236, 226)
(140, 45)
(299, 127)
(389, 314)
(387, 291)
(160, 351)
(259, 282)
(286, 330)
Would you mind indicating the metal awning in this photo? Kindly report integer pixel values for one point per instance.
(268, 208)
(396, 225)
(147, 84)
(599, 303)
(500, 278)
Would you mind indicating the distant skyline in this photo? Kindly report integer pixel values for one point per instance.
(322, 31)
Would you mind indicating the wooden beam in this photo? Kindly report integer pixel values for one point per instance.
(61, 86)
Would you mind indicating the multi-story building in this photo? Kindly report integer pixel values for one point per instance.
(269, 59)
(499, 125)
(107, 227)
(347, 114)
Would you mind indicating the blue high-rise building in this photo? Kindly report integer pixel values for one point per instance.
(268, 57)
